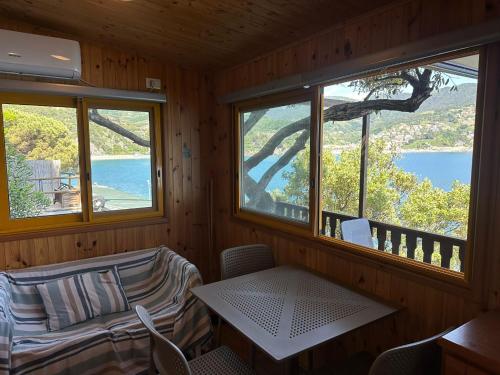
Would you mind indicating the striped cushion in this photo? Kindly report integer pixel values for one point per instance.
(82, 297)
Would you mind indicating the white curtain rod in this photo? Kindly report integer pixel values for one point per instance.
(454, 41)
(44, 88)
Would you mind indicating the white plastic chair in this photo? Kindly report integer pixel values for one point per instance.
(167, 359)
(357, 231)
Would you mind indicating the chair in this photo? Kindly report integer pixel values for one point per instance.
(357, 231)
(422, 357)
(418, 358)
(167, 359)
(241, 260)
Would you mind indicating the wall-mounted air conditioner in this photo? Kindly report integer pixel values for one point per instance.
(30, 54)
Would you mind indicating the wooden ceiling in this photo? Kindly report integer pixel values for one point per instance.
(204, 33)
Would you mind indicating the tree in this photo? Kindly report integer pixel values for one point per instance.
(24, 201)
(393, 195)
(40, 138)
(379, 91)
(435, 210)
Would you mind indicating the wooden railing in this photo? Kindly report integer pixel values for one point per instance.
(444, 251)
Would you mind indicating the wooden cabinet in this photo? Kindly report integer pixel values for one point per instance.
(456, 366)
(474, 348)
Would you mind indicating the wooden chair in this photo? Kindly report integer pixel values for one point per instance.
(167, 359)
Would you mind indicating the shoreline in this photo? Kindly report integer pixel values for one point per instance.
(457, 150)
(120, 157)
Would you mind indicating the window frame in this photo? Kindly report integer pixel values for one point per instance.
(282, 223)
(86, 218)
(462, 279)
(156, 208)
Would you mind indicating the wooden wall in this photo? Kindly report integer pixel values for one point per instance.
(183, 128)
(430, 305)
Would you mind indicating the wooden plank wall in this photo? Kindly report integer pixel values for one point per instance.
(430, 305)
(183, 128)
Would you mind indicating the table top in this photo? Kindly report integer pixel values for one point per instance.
(478, 341)
(288, 310)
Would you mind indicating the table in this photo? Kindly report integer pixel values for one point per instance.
(287, 310)
(473, 348)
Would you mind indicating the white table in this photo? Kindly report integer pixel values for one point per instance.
(288, 310)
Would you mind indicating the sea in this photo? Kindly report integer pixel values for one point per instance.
(129, 175)
(134, 175)
(441, 168)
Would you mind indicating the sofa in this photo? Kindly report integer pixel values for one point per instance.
(159, 279)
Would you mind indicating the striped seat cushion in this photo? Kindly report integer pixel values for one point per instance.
(82, 297)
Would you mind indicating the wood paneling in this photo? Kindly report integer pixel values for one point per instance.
(430, 305)
(200, 33)
(183, 127)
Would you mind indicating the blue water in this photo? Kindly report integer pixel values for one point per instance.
(134, 175)
(442, 168)
(129, 175)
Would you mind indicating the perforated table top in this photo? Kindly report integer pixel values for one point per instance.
(287, 310)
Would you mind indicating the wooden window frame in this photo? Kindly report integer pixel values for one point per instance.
(312, 232)
(275, 221)
(10, 228)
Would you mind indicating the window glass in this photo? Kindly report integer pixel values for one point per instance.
(275, 154)
(415, 174)
(41, 150)
(120, 153)
(340, 159)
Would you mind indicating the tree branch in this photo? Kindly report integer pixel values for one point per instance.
(96, 117)
(253, 119)
(299, 144)
(422, 89)
(273, 142)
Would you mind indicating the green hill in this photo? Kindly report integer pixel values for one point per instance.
(445, 120)
(102, 140)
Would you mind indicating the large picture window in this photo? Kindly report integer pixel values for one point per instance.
(393, 171)
(61, 166)
(411, 168)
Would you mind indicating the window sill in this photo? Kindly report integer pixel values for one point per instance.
(79, 227)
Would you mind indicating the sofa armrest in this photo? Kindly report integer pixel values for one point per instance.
(6, 325)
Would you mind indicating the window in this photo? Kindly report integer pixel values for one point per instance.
(275, 157)
(404, 145)
(42, 160)
(122, 159)
(396, 151)
(63, 171)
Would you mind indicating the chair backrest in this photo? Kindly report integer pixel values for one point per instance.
(165, 356)
(241, 260)
(357, 231)
(422, 357)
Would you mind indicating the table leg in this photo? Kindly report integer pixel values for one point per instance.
(252, 355)
(290, 366)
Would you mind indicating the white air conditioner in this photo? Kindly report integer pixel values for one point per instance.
(30, 54)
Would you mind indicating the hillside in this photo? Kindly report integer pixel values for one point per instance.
(102, 140)
(444, 121)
